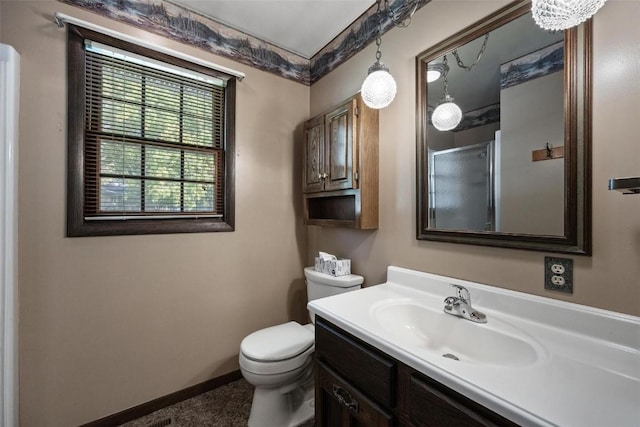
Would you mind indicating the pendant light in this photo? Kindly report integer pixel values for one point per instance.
(559, 15)
(379, 88)
(447, 114)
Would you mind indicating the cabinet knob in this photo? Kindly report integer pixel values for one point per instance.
(319, 176)
(345, 398)
(325, 176)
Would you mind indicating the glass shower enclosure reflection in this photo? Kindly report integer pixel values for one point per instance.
(462, 188)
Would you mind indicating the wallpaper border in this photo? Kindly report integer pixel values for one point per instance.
(178, 23)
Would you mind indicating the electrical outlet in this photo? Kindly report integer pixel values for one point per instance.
(558, 274)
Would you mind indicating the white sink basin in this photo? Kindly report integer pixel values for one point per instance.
(492, 343)
(537, 361)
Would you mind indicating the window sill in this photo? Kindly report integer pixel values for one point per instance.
(140, 226)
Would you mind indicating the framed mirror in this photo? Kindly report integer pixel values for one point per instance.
(509, 164)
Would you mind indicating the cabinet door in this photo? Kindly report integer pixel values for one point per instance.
(433, 405)
(340, 155)
(366, 368)
(339, 404)
(314, 151)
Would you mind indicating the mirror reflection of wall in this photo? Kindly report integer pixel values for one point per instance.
(512, 97)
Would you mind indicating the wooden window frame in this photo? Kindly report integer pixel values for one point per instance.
(77, 225)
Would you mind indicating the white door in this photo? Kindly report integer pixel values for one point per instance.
(9, 93)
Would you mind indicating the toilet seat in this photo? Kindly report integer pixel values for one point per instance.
(277, 349)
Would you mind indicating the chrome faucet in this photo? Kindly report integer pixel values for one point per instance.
(460, 306)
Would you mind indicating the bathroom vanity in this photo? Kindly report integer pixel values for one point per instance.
(360, 385)
(389, 355)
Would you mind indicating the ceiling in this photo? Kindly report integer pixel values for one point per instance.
(301, 26)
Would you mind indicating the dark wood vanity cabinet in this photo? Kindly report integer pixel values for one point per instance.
(358, 385)
(339, 403)
(428, 403)
(355, 384)
(340, 167)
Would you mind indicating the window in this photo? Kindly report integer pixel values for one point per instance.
(151, 141)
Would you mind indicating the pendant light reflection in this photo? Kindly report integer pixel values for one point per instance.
(560, 15)
(436, 72)
(447, 115)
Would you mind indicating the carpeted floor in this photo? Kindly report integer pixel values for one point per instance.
(226, 406)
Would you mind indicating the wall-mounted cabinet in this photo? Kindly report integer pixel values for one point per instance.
(340, 172)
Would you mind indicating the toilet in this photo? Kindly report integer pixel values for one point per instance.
(278, 361)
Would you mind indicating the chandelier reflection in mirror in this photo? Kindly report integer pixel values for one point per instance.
(379, 87)
(448, 115)
(436, 72)
(560, 15)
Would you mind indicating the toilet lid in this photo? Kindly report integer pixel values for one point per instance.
(277, 342)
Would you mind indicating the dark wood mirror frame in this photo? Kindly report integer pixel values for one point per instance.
(577, 137)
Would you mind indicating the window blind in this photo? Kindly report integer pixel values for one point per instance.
(154, 138)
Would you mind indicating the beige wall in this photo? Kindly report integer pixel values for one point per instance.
(111, 322)
(609, 279)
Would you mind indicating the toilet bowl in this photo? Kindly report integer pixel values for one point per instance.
(278, 361)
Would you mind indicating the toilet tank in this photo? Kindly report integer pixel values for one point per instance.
(320, 285)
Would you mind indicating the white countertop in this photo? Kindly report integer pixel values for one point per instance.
(587, 365)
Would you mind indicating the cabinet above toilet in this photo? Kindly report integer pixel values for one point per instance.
(340, 167)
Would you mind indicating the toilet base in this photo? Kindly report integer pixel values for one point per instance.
(272, 407)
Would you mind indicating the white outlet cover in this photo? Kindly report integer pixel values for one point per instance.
(557, 280)
(557, 269)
